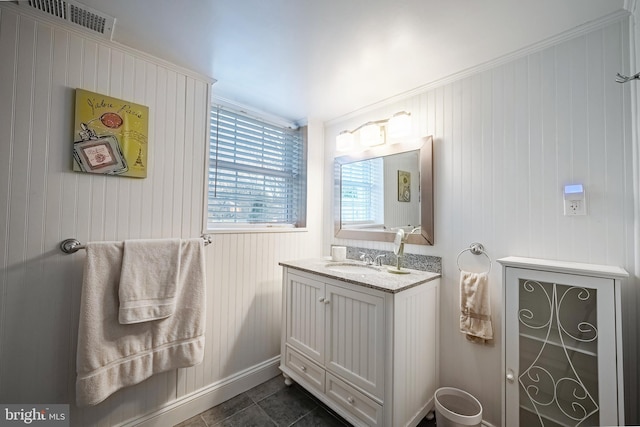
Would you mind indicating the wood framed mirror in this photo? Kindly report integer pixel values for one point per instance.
(385, 188)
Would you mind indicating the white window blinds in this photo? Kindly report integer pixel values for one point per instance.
(256, 172)
(362, 193)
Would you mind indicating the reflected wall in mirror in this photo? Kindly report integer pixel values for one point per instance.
(372, 204)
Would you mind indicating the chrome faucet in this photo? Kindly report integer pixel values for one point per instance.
(379, 259)
(366, 258)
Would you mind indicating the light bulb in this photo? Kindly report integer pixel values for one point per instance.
(370, 135)
(400, 125)
(344, 141)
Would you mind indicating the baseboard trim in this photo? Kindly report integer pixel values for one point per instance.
(207, 397)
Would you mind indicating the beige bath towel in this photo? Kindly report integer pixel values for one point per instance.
(148, 279)
(475, 307)
(111, 355)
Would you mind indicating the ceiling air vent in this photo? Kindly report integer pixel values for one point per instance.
(77, 14)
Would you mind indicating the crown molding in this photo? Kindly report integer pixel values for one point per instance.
(630, 6)
(580, 30)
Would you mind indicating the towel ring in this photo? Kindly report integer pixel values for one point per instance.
(476, 249)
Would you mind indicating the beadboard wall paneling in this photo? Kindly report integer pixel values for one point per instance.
(46, 202)
(506, 141)
(42, 202)
(634, 380)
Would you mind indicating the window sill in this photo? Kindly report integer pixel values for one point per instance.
(260, 229)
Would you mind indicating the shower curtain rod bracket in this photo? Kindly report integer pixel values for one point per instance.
(70, 246)
(623, 79)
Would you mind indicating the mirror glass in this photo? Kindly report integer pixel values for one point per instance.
(383, 189)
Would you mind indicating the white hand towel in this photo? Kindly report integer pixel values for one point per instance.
(111, 355)
(475, 307)
(148, 279)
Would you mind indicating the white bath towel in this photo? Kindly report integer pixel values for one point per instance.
(475, 307)
(111, 355)
(148, 279)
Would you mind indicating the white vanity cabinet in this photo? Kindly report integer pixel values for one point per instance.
(562, 346)
(369, 354)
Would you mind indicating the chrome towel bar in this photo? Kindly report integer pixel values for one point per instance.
(70, 246)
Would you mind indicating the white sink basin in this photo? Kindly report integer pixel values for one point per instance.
(352, 268)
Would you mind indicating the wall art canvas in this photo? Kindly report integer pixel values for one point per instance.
(110, 135)
(404, 186)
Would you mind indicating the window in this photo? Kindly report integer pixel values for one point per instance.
(362, 199)
(256, 172)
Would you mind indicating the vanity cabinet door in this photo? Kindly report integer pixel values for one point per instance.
(306, 316)
(560, 349)
(355, 337)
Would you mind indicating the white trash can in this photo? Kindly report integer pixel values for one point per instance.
(456, 408)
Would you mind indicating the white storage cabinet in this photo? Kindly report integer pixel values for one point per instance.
(370, 355)
(562, 346)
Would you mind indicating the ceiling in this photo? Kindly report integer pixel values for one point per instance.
(322, 59)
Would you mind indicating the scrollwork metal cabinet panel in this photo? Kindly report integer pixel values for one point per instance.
(562, 340)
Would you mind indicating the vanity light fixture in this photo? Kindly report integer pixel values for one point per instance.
(399, 125)
(345, 141)
(375, 132)
(371, 135)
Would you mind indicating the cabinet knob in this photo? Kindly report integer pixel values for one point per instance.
(321, 299)
(303, 369)
(510, 376)
(326, 301)
(351, 400)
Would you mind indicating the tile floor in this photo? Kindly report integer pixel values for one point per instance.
(272, 404)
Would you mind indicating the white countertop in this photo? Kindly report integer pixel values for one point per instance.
(382, 279)
(598, 270)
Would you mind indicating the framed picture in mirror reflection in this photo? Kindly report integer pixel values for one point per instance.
(404, 186)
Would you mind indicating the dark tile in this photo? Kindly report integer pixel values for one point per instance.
(427, 423)
(253, 416)
(319, 402)
(196, 421)
(306, 392)
(226, 409)
(319, 417)
(267, 388)
(287, 405)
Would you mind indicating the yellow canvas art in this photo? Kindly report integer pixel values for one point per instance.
(110, 135)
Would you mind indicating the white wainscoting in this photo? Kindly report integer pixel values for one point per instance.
(507, 138)
(42, 202)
